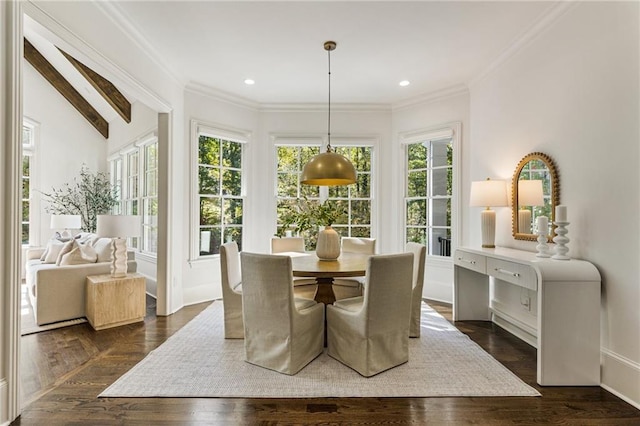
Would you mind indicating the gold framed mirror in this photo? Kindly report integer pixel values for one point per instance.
(535, 191)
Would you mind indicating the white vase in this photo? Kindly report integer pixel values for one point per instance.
(328, 245)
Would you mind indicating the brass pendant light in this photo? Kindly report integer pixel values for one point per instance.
(328, 168)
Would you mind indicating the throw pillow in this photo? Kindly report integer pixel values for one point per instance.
(80, 254)
(103, 249)
(66, 248)
(52, 251)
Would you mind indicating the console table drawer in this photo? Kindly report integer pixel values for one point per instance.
(472, 261)
(514, 273)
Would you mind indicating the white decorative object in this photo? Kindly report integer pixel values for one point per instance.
(561, 214)
(488, 193)
(561, 240)
(328, 245)
(65, 222)
(566, 296)
(542, 225)
(118, 227)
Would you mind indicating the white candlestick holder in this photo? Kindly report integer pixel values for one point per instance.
(543, 248)
(561, 241)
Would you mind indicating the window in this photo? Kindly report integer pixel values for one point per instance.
(429, 190)
(28, 146)
(134, 176)
(150, 199)
(355, 199)
(220, 200)
(290, 162)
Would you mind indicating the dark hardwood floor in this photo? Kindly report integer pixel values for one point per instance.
(63, 371)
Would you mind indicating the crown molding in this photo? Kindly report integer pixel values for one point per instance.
(437, 95)
(220, 95)
(546, 20)
(322, 107)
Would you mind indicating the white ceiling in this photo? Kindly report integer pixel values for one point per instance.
(435, 45)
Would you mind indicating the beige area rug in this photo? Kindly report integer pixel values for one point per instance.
(28, 321)
(198, 362)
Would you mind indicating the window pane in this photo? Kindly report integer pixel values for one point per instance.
(231, 182)
(287, 185)
(306, 152)
(440, 182)
(361, 231)
(417, 212)
(441, 214)
(233, 234)
(25, 233)
(360, 212)
(417, 235)
(440, 242)
(343, 205)
(440, 151)
(417, 154)
(151, 156)
(25, 165)
(231, 154)
(150, 239)
(232, 211)
(210, 241)
(210, 211)
(209, 151)
(309, 191)
(151, 184)
(209, 180)
(339, 191)
(287, 159)
(362, 187)
(25, 211)
(417, 184)
(25, 188)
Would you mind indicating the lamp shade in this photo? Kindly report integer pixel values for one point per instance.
(530, 193)
(121, 226)
(65, 221)
(328, 169)
(488, 193)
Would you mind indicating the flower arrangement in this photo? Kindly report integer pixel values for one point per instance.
(309, 215)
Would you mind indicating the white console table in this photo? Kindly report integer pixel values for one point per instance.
(568, 307)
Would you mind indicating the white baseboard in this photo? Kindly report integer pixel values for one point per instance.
(621, 377)
(514, 326)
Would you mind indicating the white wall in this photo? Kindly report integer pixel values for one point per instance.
(67, 141)
(438, 281)
(572, 93)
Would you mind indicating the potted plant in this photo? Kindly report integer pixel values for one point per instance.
(89, 196)
(309, 215)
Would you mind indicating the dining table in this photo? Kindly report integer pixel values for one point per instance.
(324, 271)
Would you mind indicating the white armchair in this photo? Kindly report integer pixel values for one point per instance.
(281, 332)
(231, 291)
(370, 333)
(419, 254)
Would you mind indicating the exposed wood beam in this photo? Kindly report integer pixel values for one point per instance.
(108, 91)
(65, 88)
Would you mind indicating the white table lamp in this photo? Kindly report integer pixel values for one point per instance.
(118, 227)
(529, 194)
(65, 222)
(488, 193)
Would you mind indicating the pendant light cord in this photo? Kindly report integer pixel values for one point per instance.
(329, 111)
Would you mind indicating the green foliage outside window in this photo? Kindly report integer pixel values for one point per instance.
(220, 189)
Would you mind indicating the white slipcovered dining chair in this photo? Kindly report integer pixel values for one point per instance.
(291, 245)
(370, 333)
(231, 276)
(419, 254)
(355, 245)
(281, 332)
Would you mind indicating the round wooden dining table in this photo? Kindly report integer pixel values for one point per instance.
(324, 271)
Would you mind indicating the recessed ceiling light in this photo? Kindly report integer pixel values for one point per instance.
(249, 82)
(404, 83)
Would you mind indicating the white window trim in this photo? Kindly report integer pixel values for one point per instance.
(136, 146)
(217, 131)
(437, 132)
